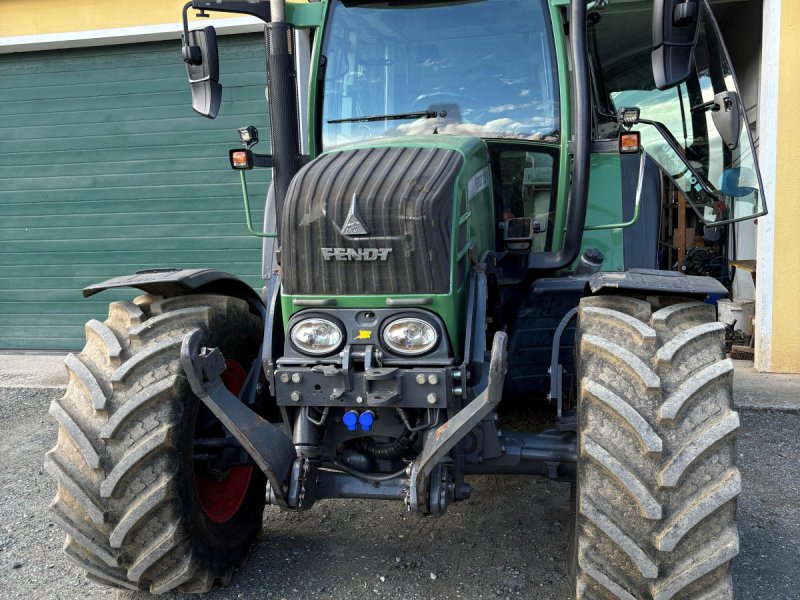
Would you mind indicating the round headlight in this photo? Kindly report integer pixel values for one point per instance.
(316, 336)
(410, 336)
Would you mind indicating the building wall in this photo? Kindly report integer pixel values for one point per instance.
(784, 349)
(42, 17)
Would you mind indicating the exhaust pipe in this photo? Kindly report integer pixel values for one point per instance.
(284, 118)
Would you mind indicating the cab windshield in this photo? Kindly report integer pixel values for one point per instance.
(482, 68)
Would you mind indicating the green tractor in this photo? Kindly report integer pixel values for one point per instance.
(468, 204)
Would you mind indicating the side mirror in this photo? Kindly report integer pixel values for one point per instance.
(675, 26)
(202, 68)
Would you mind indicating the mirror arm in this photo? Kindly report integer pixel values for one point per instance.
(670, 139)
(191, 54)
(710, 105)
(260, 10)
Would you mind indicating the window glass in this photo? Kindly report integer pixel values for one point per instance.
(528, 190)
(483, 68)
(720, 180)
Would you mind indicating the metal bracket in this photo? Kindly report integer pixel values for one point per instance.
(556, 393)
(270, 448)
(439, 444)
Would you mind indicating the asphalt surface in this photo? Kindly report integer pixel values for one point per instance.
(508, 541)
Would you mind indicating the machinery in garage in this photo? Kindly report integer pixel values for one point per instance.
(464, 219)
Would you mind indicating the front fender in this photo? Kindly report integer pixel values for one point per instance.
(652, 281)
(172, 281)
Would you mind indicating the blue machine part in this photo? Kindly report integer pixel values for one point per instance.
(366, 419)
(350, 420)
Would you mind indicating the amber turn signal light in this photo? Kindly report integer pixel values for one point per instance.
(629, 142)
(241, 159)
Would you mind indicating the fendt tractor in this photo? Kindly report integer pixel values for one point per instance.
(468, 215)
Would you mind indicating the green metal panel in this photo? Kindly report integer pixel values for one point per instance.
(105, 169)
(605, 208)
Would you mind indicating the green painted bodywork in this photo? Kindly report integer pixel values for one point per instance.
(450, 307)
(604, 192)
(565, 100)
(306, 15)
(605, 207)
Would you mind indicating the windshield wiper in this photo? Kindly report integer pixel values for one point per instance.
(423, 114)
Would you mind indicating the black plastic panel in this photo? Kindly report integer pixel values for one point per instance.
(650, 280)
(639, 240)
(402, 198)
(531, 338)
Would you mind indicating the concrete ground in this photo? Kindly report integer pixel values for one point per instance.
(507, 541)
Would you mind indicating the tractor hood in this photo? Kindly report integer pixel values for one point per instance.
(373, 220)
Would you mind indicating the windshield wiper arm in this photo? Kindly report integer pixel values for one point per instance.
(423, 114)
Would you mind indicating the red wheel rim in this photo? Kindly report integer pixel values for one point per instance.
(220, 500)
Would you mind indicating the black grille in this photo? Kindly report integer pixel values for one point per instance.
(403, 199)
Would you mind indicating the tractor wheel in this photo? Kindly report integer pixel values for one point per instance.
(654, 505)
(146, 500)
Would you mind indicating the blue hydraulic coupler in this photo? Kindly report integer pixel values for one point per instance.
(350, 420)
(366, 419)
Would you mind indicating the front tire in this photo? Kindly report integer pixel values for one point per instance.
(654, 513)
(141, 509)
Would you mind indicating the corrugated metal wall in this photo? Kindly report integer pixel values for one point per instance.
(105, 169)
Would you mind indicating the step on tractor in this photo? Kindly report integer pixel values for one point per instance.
(466, 219)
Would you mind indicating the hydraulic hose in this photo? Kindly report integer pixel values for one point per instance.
(394, 450)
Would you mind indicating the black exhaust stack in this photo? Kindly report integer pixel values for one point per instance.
(284, 118)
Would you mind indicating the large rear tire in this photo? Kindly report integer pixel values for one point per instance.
(140, 509)
(654, 512)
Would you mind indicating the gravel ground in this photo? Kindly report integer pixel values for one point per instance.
(507, 541)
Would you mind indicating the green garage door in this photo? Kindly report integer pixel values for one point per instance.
(105, 170)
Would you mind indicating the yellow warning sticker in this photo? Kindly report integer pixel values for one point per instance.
(364, 334)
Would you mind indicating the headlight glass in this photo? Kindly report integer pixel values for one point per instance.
(316, 336)
(410, 336)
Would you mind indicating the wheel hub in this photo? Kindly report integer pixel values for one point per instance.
(220, 499)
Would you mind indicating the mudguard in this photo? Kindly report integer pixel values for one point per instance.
(653, 281)
(182, 281)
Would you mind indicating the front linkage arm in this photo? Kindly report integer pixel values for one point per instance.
(439, 443)
(270, 448)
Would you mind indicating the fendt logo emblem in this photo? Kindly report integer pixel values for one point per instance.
(358, 254)
(353, 224)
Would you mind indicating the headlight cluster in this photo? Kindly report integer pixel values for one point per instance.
(407, 336)
(317, 336)
(410, 336)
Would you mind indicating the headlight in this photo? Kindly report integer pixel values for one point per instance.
(316, 336)
(410, 336)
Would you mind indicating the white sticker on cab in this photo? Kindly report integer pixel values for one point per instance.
(478, 182)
